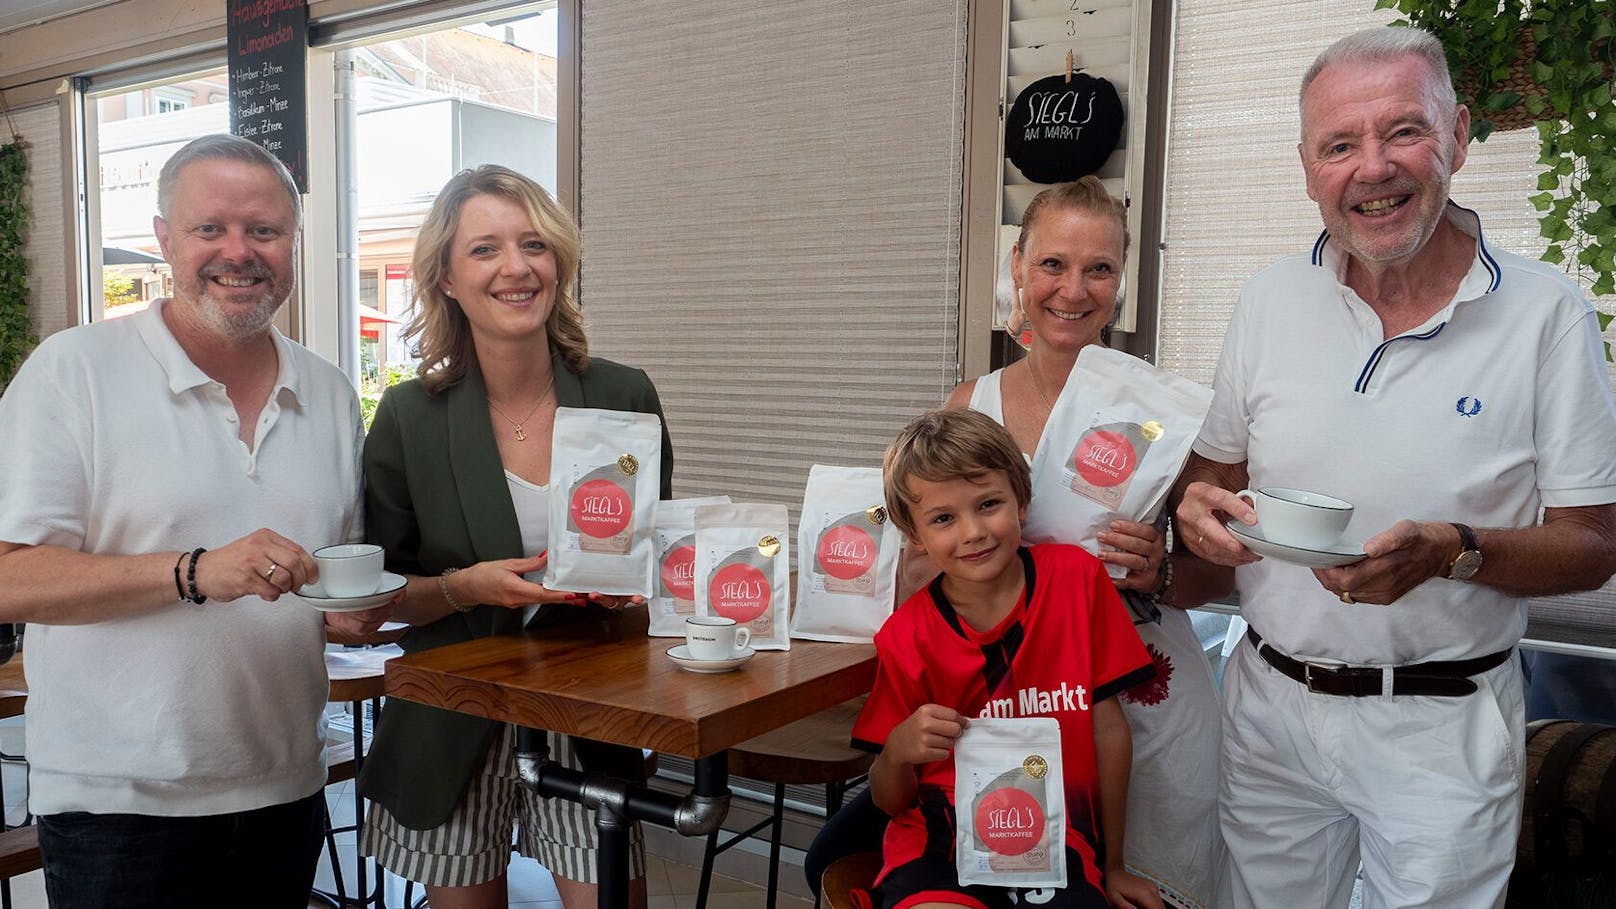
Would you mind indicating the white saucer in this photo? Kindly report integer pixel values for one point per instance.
(1340, 552)
(314, 596)
(681, 654)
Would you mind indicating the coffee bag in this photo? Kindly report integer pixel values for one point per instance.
(605, 470)
(847, 556)
(1010, 803)
(1114, 444)
(675, 544)
(743, 569)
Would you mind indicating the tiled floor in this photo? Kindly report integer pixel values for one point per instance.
(669, 884)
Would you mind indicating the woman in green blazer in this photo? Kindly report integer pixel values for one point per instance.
(456, 467)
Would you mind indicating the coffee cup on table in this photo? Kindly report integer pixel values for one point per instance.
(714, 637)
(349, 569)
(1298, 517)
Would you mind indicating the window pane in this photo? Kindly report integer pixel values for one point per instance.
(136, 132)
(431, 105)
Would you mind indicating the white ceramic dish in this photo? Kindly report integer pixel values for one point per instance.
(1341, 552)
(314, 596)
(681, 655)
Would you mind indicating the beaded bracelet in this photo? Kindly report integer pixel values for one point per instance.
(443, 588)
(179, 587)
(1166, 577)
(190, 578)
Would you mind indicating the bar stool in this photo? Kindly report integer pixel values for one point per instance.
(810, 752)
(847, 874)
(356, 678)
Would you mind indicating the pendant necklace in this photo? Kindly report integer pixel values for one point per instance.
(1039, 387)
(520, 435)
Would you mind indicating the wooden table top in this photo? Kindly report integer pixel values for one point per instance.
(13, 687)
(356, 675)
(621, 687)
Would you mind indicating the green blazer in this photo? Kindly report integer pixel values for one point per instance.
(435, 498)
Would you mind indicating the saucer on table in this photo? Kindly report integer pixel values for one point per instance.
(316, 597)
(1341, 552)
(681, 654)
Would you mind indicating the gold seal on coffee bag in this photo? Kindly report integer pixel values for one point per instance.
(629, 465)
(1151, 430)
(769, 546)
(877, 514)
(1035, 766)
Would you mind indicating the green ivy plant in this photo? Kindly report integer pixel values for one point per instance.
(16, 329)
(1548, 62)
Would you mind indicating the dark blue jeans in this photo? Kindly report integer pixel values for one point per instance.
(262, 858)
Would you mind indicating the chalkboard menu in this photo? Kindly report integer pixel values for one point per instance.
(269, 40)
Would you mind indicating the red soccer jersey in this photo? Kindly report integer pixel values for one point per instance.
(1068, 645)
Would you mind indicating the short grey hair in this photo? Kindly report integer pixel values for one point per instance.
(223, 147)
(1382, 45)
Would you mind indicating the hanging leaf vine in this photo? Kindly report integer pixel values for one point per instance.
(16, 328)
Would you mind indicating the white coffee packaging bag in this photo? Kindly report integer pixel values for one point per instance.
(605, 474)
(675, 598)
(743, 569)
(1010, 803)
(847, 556)
(1120, 433)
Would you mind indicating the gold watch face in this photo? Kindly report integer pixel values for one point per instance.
(1466, 565)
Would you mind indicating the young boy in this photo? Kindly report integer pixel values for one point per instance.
(999, 621)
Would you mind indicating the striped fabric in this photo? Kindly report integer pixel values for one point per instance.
(474, 845)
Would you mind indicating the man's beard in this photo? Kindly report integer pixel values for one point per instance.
(230, 321)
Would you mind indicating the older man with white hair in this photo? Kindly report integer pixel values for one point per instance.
(166, 475)
(1458, 396)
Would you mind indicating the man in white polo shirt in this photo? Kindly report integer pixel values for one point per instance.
(1458, 396)
(166, 475)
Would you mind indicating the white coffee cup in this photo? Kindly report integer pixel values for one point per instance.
(714, 637)
(349, 569)
(1297, 517)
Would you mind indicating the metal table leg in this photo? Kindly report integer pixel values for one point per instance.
(617, 803)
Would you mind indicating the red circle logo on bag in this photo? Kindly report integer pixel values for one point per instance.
(679, 572)
(601, 508)
(1009, 820)
(738, 592)
(846, 552)
(1104, 458)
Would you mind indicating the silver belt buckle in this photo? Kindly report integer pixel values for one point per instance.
(1307, 674)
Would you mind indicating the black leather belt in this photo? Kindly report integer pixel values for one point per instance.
(1438, 678)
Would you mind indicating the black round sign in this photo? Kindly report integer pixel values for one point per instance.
(1059, 130)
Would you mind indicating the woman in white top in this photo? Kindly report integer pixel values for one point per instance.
(1066, 268)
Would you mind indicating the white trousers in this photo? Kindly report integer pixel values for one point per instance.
(1425, 791)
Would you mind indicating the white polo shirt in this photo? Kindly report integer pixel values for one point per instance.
(1499, 405)
(116, 443)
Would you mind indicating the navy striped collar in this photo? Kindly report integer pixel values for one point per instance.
(1485, 275)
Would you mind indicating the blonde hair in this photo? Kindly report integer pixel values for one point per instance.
(949, 445)
(1087, 195)
(445, 344)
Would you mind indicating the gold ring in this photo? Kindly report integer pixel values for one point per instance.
(1346, 597)
(271, 572)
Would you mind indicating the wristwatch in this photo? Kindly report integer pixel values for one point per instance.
(1465, 565)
